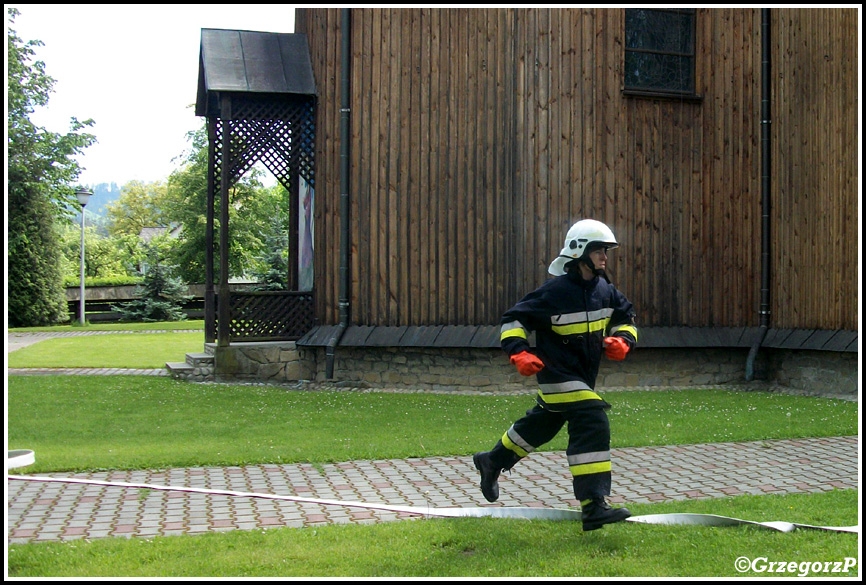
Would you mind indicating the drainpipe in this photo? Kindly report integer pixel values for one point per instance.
(765, 192)
(345, 46)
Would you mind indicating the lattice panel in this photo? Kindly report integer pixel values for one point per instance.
(292, 128)
(270, 315)
(217, 161)
(279, 133)
(268, 141)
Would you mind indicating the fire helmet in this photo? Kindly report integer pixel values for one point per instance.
(580, 239)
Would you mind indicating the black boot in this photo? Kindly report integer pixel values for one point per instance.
(489, 475)
(597, 512)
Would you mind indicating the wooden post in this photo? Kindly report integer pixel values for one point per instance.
(294, 218)
(209, 308)
(224, 308)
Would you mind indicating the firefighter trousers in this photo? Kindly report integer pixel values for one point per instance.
(588, 450)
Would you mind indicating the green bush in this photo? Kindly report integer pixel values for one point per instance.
(75, 281)
(161, 296)
(35, 268)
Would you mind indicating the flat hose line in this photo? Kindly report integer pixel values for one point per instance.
(23, 457)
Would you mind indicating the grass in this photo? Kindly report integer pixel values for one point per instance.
(191, 324)
(478, 548)
(132, 422)
(120, 350)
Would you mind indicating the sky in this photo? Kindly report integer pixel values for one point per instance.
(133, 69)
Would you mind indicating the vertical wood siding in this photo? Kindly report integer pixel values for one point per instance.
(479, 135)
(815, 164)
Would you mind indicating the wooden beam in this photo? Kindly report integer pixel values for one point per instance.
(224, 309)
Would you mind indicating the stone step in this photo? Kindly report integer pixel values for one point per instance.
(198, 367)
(179, 369)
(200, 360)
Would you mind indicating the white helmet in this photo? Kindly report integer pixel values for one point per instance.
(579, 238)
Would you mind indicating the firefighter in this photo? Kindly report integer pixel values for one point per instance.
(576, 316)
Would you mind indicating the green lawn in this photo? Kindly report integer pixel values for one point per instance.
(117, 350)
(129, 422)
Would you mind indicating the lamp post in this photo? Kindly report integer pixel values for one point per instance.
(83, 197)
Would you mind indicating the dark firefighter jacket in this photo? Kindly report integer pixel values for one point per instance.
(570, 317)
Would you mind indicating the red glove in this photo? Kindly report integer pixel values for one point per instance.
(615, 348)
(527, 363)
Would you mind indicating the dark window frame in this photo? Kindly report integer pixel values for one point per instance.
(656, 92)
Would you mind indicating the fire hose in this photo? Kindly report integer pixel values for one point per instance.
(22, 458)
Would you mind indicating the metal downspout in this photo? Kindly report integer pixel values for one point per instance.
(345, 64)
(765, 192)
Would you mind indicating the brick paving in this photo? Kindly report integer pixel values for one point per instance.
(87, 371)
(49, 511)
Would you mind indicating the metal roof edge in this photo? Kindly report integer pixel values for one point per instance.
(481, 336)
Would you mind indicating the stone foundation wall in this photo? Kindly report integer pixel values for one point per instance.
(816, 372)
(276, 361)
(488, 370)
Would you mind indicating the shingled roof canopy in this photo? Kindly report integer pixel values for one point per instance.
(251, 62)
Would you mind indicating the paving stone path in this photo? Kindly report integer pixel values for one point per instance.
(40, 511)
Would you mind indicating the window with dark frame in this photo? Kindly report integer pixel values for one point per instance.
(660, 52)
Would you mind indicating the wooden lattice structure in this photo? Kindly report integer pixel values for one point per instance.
(268, 315)
(257, 92)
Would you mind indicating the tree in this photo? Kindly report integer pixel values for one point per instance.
(271, 273)
(103, 257)
(40, 176)
(140, 205)
(161, 294)
(132, 253)
(35, 286)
